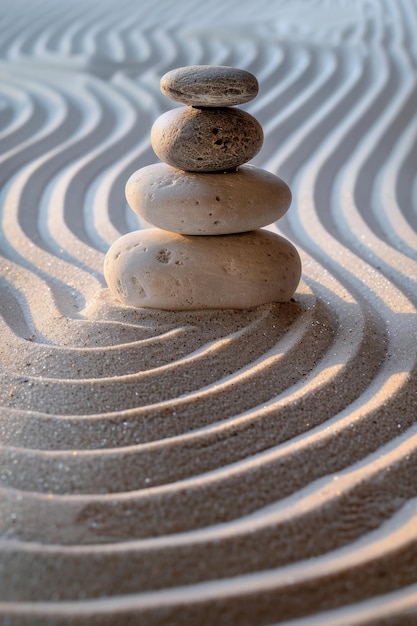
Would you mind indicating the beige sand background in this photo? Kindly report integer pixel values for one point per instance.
(210, 467)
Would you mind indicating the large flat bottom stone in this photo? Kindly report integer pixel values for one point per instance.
(163, 270)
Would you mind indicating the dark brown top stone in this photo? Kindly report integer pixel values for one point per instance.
(209, 85)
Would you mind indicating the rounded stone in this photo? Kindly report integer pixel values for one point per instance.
(158, 269)
(193, 203)
(209, 85)
(206, 140)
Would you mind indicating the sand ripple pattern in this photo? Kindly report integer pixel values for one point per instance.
(213, 467)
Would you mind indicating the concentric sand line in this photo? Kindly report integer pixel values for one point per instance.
(212, 467)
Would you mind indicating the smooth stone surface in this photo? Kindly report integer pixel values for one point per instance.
(209, 85)
(206, 140)
(193, 203)
(162, 270)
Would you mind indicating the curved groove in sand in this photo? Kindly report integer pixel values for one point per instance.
(223, 463)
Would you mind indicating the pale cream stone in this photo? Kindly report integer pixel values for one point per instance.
(206, 140)
(194, 203)
(209, 85)
(163, 270)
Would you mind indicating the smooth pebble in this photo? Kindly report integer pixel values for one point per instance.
(163, 270)
(206, 140)
(193, 203)
(209, 85)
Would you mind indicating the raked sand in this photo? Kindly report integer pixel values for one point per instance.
(213, 467)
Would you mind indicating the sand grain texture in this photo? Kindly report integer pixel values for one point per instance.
(213, 467)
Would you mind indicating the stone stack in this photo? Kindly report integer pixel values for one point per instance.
(207, 206)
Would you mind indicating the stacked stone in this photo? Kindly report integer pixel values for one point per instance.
(207, 250)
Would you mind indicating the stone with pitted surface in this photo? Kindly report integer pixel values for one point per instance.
(206, 140)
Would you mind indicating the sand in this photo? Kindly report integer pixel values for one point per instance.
(211, 467)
